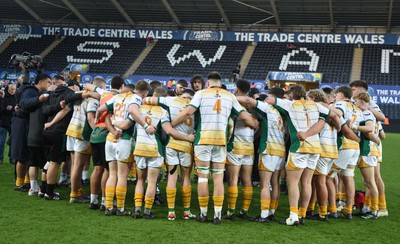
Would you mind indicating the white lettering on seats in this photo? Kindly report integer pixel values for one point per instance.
(385, 59)
(196, 53)
(82, 48)
(313, 64)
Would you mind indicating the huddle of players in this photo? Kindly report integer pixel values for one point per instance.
(329, 136)
(105, 128)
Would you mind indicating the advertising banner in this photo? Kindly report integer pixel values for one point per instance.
(294, 76)
(204, 35)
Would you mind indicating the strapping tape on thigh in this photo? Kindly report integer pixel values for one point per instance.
(334, 171)
(203, 170)
(348, 172)
(46, 166)
(217, 171)
(332, 174)
(202, 180)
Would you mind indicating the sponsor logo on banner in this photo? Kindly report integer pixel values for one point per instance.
(371, 91)
(294, 76)
(203, 35)
(332, 86)
(53, 74)
(32, 76)
(79, 67)
(109, 78)
(87, 79)
(16, 29)
(259, 86)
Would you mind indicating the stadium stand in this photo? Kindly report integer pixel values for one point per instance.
(185, 58)
(333, 60)
(381, 64)
(3, 37)
(105, 55)
(390, 110)
(33, 44)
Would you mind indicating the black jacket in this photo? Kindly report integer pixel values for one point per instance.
(29, 102)
(8, 100)
(21, 112)
(52, 107)
(36, 125)
(23, 95)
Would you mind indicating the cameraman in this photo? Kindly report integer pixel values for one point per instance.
(7, 110)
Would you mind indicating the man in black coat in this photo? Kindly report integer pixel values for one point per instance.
(32, 101)
(8, 103)
(19, 133)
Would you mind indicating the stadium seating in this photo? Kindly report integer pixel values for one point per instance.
(33, 44)
(104, 55)
(186, 58)
(390, 110)
(381, 64)
(333, 60)
(3, 37)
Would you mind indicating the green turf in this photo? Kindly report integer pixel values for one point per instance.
(26, 219)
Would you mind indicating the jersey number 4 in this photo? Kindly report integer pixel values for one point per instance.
(217, 106)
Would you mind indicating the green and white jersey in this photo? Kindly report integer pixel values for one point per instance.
(367, 147)
(272, 140)
(350, 113)
(301, 116)
(328, 140)
(119, 105)
(214, 107)
(174, 105)
(242, 140)
(150, 145)
(79, 127)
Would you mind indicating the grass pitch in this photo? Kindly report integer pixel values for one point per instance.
(25, 219)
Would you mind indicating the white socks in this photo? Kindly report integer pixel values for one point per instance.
(203, 211)
(93, 198)
(217, 212)
(85, 174)
(271, 212)
(264, 213)
(34, 185)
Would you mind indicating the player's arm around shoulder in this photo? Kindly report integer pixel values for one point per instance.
(182, 116)
(167, 127)
(249, 120)
(333, 116)
(315, 129)
(246, 102)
